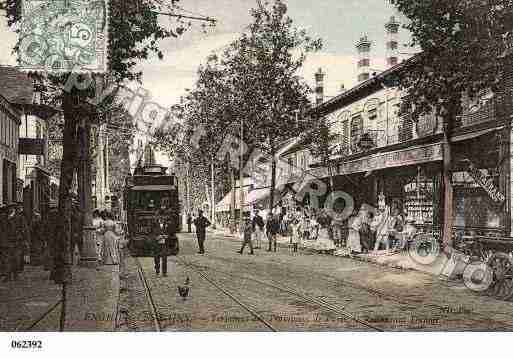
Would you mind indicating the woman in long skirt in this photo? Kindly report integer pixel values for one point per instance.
(353, 239)
(295, 225)
(110, 253)
(324, 242)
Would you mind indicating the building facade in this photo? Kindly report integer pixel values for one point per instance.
(385, 155)
(10, 119)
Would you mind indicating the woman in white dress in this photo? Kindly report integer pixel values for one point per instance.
(98, 224)
(353, 239)
(110, 253)
(295, 225)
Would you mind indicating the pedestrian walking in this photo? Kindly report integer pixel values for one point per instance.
(337, 225)
(323, 243)
(110, 254)
(201, 224)
(273, 228)
(189, 223)
(245, 230)
(295, 238)
(160, 252)
(18, 242)
(258, 228)
(353, 239)
(98, 223)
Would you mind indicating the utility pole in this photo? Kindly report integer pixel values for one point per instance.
(212, 185)
(241, 175)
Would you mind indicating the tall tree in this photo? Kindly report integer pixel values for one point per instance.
(263, 67)
(134, 35)
(462, 43)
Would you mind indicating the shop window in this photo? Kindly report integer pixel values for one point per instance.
(473, 207)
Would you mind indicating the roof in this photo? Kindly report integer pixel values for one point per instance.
(16, 86)
(362, 89)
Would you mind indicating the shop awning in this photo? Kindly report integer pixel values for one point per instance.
(469, 136)
(257, 195)
(224, 204)
(153, 187)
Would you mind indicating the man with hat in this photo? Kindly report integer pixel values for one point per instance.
(201, 224)
(246, 229)
(17, 241)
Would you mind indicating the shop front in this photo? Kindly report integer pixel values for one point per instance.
(481, 186)
(409, 177)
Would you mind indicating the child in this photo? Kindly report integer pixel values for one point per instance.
(294, 240)
(245, 232)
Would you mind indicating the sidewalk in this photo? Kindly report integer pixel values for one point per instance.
(401, 260)
(91, 300)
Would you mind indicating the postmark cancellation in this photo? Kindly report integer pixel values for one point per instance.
(64, 35)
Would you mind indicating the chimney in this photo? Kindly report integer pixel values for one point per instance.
(363, 46)
(319, 86)
(392, 28)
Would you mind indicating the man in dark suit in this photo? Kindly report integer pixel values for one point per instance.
(201, 224)
(166, 244)
(189, 222)
(272, 228)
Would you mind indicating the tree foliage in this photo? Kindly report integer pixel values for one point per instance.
(134, 35)
(462, 42)
(253, 82)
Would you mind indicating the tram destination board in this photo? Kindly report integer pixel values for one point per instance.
(153, 180)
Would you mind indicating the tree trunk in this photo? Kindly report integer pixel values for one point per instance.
(88, 256)
(212, 193)
(61, 272)
(232, 207)
(273, 180)
(448, 189)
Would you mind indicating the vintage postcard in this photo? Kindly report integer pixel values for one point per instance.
(255, 166)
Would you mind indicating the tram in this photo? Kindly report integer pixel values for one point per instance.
(148, 194)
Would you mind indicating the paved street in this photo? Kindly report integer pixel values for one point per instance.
(295, 292)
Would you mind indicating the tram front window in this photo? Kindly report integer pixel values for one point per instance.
(149, 200)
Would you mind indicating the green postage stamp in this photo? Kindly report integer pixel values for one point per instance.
(64, 35)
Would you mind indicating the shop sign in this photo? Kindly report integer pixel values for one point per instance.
(486, 183)
(407, 157)
(31, 146)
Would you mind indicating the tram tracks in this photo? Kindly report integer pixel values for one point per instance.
(338, 282)
(151, 303)
(232, 286)
(318, 302)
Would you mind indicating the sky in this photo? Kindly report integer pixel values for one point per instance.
(339, 23)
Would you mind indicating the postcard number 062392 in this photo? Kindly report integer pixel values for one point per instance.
(26, 344)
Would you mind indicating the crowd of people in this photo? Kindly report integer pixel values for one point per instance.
(365, 230)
